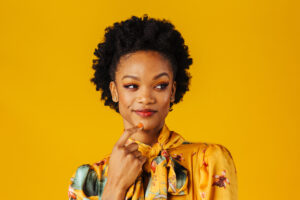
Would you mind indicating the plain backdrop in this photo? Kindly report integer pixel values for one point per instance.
(244, 91)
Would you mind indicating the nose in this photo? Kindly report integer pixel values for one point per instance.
(146, 96)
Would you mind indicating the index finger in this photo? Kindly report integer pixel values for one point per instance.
(127, 133)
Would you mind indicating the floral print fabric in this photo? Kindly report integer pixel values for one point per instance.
(176, 169)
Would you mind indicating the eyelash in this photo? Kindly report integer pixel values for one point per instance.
(164, 86)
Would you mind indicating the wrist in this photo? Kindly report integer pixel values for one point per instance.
(113, 192)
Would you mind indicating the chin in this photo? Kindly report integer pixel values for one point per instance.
(149, 125)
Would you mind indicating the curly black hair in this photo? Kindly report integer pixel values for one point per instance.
(136, 34)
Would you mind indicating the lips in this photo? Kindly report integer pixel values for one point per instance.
(145, 112)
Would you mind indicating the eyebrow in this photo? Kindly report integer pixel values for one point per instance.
(155, 77)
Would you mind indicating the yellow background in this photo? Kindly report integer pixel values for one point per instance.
(244, 92)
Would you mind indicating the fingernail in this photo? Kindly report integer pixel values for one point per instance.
(140, 125)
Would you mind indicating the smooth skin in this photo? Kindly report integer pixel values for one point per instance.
(131, 165)
(144, 80)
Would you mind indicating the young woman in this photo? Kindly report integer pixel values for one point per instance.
(142, 71)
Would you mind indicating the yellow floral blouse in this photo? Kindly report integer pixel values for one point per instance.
(175, 169)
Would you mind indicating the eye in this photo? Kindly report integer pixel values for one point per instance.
(163, 85)
(130, 86)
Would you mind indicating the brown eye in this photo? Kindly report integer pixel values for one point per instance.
(163, 85)
(130, 86)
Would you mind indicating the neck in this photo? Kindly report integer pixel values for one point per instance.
(147, 136)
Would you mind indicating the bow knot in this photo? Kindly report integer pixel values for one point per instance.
(167, 175)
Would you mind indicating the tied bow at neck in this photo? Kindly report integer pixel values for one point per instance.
(167, 175)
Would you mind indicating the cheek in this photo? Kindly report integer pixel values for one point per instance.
(165, 97)
(125, 100)
(164, 101)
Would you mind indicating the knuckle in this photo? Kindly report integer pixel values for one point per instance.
(123, 150)
(139, 154)
(136, 162)
(131, 157)
(127, 131)
(117, 147)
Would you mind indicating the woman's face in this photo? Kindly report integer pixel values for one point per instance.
(143, 80)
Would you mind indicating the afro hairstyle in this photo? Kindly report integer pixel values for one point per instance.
(136, 34)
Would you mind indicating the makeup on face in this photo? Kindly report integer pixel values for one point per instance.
(144, 82)
(132, 84)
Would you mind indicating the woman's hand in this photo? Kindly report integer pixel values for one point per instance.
(125, 165)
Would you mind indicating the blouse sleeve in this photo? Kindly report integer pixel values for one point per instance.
(84, 184)
(217, 174)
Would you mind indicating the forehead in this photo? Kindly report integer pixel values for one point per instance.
(144, 63)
